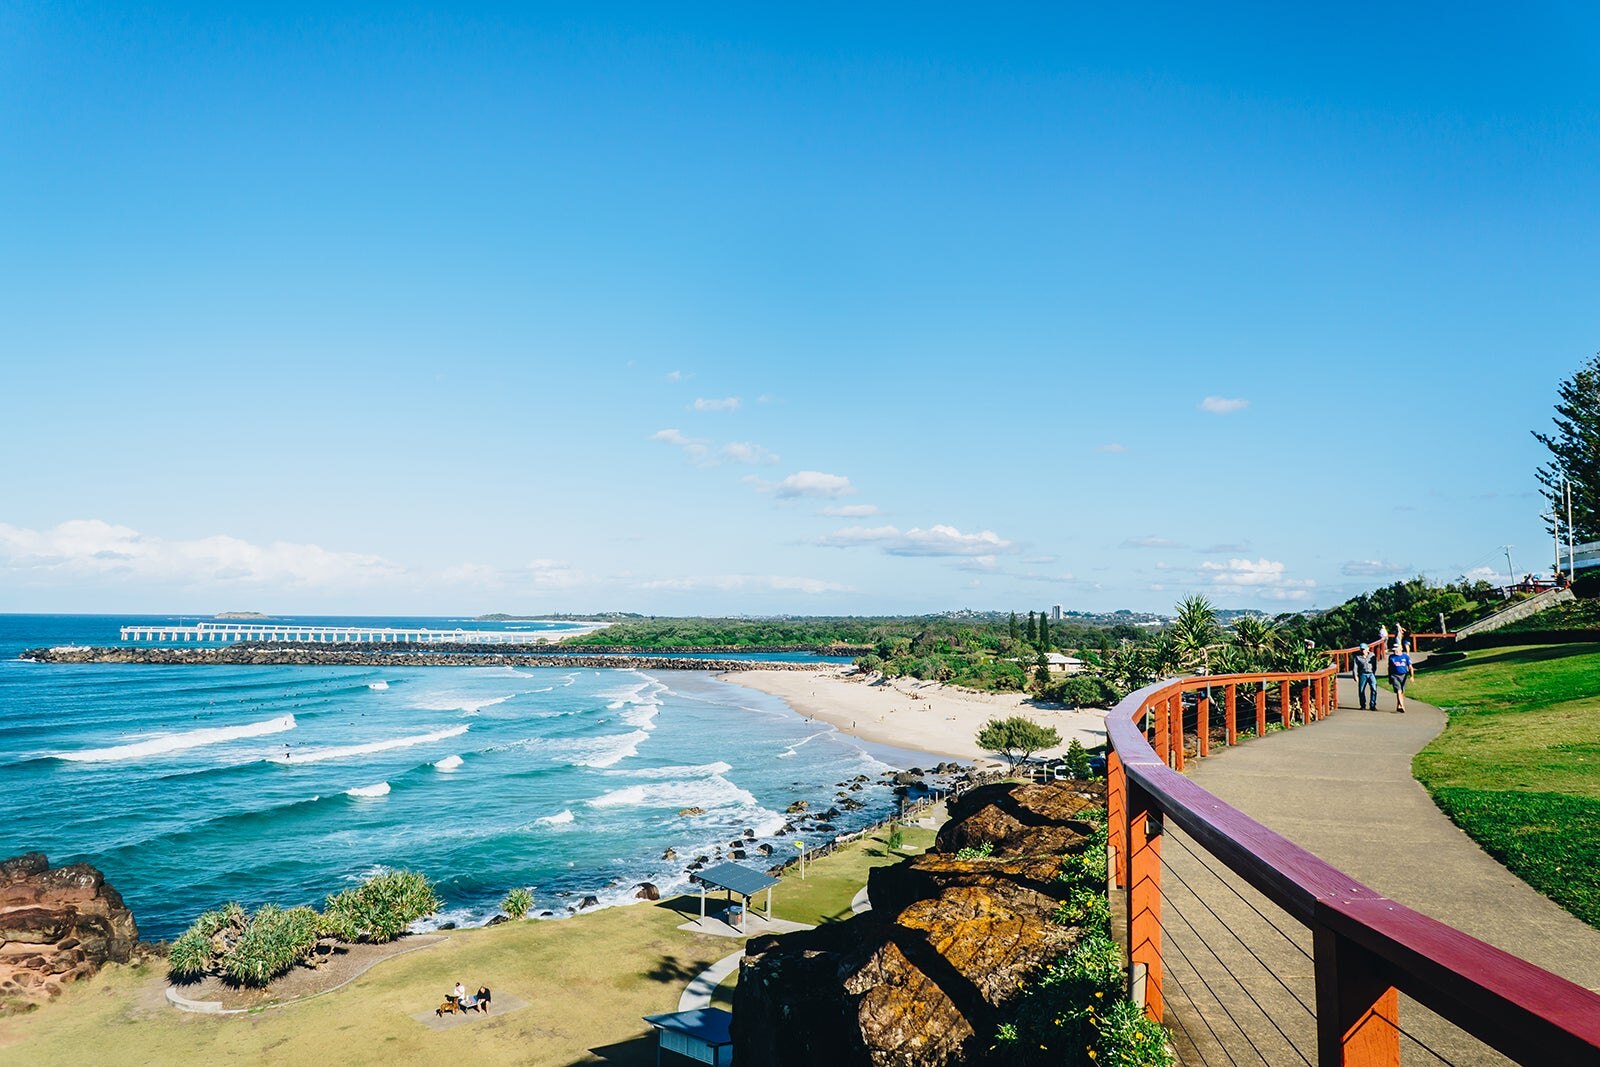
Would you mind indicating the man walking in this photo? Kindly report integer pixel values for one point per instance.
(1366, 671)
(1399, 669)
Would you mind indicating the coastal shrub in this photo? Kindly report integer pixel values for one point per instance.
(199, 950)
(380, 908)
(896, 838)
(983, 851)
(275, 940)
(1128, 1038)
(1016, 738)
(189, 956)
(517, 903)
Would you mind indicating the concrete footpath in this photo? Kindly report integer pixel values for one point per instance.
(1342, 789)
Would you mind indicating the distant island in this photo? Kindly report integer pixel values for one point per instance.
(240, 615)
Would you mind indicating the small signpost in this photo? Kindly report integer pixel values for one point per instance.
(801, 845)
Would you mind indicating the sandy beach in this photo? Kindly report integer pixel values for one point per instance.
(906, 713)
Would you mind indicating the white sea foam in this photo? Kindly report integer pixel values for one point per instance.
(707, 793)
(560, 819)
(794, 749)
(381, 789)
(463, 702)
(605, 751)
(702, 770)
(377, 685)
(344, 752)
(449, 763)
(157, 746)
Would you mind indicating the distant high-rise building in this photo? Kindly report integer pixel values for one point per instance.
(1055, 613)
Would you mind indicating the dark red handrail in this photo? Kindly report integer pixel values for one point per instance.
(1365, 945)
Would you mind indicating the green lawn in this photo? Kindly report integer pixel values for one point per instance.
(587, 979)
(1518, 767)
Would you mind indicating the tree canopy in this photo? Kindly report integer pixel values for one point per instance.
(1575, 451)
(1016, 738)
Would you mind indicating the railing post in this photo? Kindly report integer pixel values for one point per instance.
(1283, 704)
(1117, 816)
(1261, 710)
(1163, 731)
(1358, 1011)
(1202, 723)
(1230, 713)
(1175, 720)
(1144, 898)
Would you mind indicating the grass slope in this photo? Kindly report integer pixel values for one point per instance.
(1518, 767)
(588, 980)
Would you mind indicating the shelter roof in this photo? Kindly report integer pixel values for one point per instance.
(710, 1025)
(746, 881)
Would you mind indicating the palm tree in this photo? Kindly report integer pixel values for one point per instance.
(1257, 637)
(1195, 633)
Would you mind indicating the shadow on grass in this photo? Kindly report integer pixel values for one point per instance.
(668, 970)
(1513, 656)
(639, 1050)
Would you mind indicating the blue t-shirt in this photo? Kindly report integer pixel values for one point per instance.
(1399, 663)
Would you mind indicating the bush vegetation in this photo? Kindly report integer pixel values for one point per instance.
(380, 908)
(253, 950)
(517, 903)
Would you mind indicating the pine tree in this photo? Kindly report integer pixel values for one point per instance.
(1014, 630)
(1044, 630)
(1575, 452)
(1033, 630)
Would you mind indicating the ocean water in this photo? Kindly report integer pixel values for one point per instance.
(190, 786)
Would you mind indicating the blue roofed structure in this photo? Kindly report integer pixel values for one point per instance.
(704, 1035)
(736, 878)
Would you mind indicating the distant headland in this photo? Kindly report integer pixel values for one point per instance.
(240, 615)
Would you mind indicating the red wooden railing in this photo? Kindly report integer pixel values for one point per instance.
(1365, 946)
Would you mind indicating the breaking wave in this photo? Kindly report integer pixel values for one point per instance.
(159, 746)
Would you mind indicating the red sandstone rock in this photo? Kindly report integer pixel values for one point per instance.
(57, 925)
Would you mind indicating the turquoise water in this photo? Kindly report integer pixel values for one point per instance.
(190, 786)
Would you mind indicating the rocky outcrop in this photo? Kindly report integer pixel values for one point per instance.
(56, 925)
(922, 979)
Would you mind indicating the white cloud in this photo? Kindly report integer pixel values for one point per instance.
(849, 511)
(982, 564)
(934, 541)
(735, 582)
(94, 549)
(1151, 542)
(697, 449)
(746, 452)
(813, 484)
(1222, 405)
(1373, 568)
(1113, 449)
(552, 574)
(727, 403)
(676, 376)
(1265, 577)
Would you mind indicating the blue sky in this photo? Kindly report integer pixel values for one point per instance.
(827, 310)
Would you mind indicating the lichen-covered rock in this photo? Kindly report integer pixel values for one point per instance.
(923, 979)
(1020, 819)
(56, 925)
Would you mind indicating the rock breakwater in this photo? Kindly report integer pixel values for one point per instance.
(281, 655)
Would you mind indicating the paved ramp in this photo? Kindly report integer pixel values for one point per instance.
(1341, 788)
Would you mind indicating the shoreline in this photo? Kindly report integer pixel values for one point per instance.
(910, 715)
